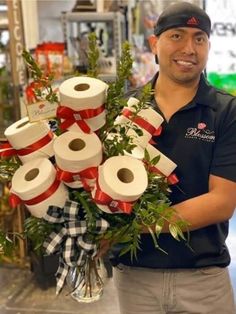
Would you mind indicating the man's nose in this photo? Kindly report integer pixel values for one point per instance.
(189, 46)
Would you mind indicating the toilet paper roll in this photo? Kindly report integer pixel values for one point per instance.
(123, 178)
(94, 123)
(82, 92)
(164, 165)
(132, 101)
(106, 208)
(35, 178)
(149, 114)
(23, 134)
(76, 151)
(149, 122)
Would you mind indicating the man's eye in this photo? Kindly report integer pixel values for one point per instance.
(175, 36)
(200, 40)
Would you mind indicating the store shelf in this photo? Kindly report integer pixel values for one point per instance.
(75, 25)
(93, 16)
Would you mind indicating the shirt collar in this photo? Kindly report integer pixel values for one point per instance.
(205, 95)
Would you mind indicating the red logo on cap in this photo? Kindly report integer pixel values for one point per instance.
(193, 21)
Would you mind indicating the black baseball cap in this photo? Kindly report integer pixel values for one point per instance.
(183, 14)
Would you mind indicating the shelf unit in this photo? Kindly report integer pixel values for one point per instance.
(76, 24)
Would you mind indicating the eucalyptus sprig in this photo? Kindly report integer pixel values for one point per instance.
(43, 83)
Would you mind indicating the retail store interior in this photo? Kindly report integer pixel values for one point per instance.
(55, 33)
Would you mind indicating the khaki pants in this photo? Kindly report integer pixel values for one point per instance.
(189, 291)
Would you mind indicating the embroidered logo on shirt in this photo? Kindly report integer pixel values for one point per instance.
(201, 133)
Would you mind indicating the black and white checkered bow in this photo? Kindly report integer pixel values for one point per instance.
(73, 242)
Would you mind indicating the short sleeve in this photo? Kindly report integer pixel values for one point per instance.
(224, 155)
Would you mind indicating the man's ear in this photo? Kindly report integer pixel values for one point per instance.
(152, 40)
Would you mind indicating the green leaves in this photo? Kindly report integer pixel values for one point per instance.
(6, 245)
(93, 56)
(7, 168)
(43, 84)
(37, 229)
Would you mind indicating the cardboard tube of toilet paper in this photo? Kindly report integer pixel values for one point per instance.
(123, 178)
(83, 92)
(164, 165)
(76, 151)
(35, 178)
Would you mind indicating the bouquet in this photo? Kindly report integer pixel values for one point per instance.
(90, 173)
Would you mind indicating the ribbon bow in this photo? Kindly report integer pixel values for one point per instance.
(71, 116)
(83, 175)
(102, 198)
(72, 241)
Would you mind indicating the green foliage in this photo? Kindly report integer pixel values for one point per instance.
(115, 94)
(37, 230)
(6, 245)
(43, 83)
(93, 56)
(117, 139)
(8, 167)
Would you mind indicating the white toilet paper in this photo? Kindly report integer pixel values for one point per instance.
(164, 165)
(81, 93)
(35, 178)
(23, 133)
(123, 178)
(77, 151)
(148, 120)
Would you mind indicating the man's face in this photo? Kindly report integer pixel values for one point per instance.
(182, 53)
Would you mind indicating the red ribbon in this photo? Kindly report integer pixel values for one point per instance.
(102, 198)
(15, 200)
(89, 173)
(6, 150)
(144, 124)
(71, 116)
(171, 179)
(10, 151)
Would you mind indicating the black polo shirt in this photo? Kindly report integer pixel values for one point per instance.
(201, 139)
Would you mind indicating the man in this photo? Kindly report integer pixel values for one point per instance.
(199, 135)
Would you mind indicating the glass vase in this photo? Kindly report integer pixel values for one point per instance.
(86, 281)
